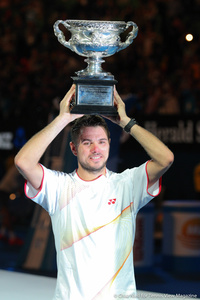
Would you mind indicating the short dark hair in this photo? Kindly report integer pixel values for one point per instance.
(87, 121)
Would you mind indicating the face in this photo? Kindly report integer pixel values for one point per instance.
(92, 149)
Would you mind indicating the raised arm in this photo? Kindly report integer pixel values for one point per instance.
(27, 159)
(161, 156)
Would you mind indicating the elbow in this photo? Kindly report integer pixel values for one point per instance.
(169, 159)
(21, 165)
(166, 160)
(19, 162)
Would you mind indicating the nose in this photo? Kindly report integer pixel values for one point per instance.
(94, 147)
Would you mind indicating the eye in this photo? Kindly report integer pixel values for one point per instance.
(86, 143)
(102, 142)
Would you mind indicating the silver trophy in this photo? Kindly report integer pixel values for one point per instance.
(94, 40)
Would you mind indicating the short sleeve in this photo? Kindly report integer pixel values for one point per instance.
(142, 194)
(48, 194)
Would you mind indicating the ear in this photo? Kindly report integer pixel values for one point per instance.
(73, 148)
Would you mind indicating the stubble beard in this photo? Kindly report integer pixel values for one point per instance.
(91, 169)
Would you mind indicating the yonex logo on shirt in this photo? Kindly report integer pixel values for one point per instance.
(112, 201)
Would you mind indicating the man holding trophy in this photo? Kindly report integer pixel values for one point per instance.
(93, 210)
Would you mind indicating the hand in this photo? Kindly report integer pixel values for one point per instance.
(122, 119)
(120, 105)
(66, 104)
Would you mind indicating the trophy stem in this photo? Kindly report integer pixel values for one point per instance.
(94, 68)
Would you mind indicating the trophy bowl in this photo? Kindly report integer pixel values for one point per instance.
(94, 40)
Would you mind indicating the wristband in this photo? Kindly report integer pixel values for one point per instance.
(130, 124)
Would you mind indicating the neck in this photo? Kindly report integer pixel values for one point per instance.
(90, 175)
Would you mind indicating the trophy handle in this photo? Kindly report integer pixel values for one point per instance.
(59, 33)
(130, 37)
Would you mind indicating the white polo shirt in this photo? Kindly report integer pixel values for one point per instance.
(94, 228)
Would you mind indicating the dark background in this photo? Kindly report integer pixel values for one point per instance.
(158, 78)
(158, 74)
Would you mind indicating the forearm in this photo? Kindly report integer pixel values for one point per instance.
(161, 156)
(27, 160)
(154, 147)
(30, 154)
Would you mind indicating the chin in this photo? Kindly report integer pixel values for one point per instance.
(94, 169)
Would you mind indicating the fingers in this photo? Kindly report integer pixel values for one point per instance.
(121, 109)
(115, 91)
(117, 99)
(70, 94)
(67, 100)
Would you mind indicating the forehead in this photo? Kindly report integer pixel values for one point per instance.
(93, 132)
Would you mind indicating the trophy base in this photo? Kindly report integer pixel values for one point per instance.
(94, 96)
(95, 110)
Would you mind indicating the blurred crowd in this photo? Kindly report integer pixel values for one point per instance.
(160, 70)
(159, 74)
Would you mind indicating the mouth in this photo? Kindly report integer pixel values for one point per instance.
(95, 157)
